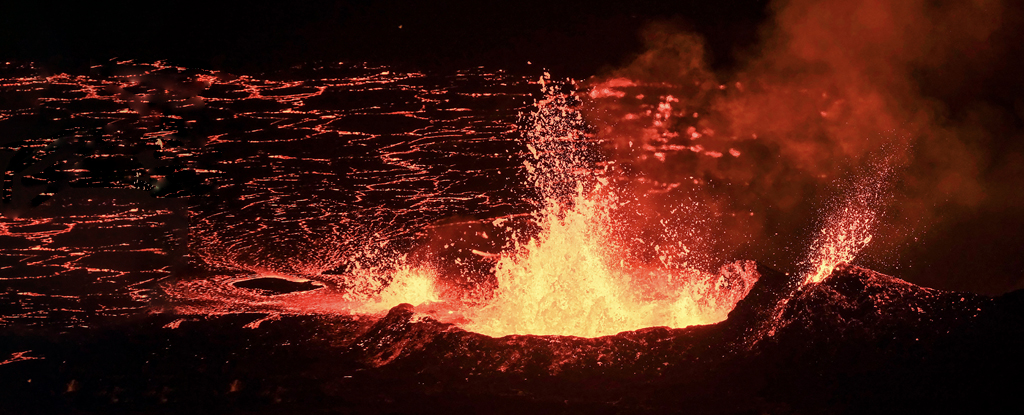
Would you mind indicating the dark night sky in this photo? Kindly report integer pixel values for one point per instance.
(572, 38)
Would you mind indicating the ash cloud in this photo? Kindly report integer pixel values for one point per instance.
(932, 87)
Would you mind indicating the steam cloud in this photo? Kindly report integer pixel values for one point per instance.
(834, 86)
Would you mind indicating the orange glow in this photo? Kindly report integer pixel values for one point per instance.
(573, 277)
(849, 227)
(844, 235)
(569, 280)
(412, 285)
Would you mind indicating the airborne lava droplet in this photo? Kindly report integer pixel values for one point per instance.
(849, 225)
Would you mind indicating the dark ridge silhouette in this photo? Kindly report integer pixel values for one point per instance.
(858, 342)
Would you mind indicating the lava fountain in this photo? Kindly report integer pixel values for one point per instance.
(849, 225)
(572, 278)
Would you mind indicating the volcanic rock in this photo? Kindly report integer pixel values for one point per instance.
(858, 342)
(858, 302)
(869, 342)
(405, 338)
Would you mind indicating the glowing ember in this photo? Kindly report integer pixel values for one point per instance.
(848, 228)
(844, 235)
(413, 285)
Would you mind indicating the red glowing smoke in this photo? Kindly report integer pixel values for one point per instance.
(833, 86)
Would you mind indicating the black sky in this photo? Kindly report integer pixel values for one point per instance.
(573, 38)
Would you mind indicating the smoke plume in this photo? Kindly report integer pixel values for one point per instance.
(930, 87)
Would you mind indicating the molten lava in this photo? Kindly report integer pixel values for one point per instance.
(848, 227)
(844, 235)
(570, 280)
(573, 278)
(412, 285)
